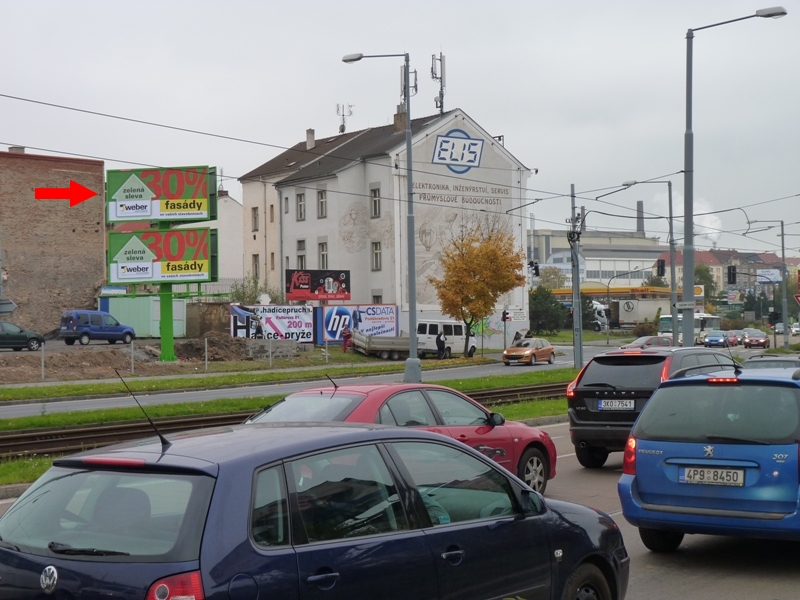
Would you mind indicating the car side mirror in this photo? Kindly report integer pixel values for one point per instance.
(496, 419)
(532, 502)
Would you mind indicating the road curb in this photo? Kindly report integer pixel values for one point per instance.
(13, 490)
(541, 421)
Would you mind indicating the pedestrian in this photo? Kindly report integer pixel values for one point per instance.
(517, 337)
(259, 330)
(440, 344)
(347, 338)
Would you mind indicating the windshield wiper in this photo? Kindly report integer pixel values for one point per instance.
(608, 385)
(59, 548)
(731, 438)
(5, 544)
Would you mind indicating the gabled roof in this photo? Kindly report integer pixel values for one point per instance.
(375, 141)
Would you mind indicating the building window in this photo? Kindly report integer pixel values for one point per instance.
(271, 261)
(322, 204)
(254, 218)
(271, 213)
(323, 255)
(593, 274)
(375, 205)
(256, 264)
(287, 262)
(557, 261)
(376, 256)
(608, 274)
(301, 261)
(286, 205)
(301, 245)
(377, 299)
(301, 207)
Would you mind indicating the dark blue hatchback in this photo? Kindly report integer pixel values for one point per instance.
(716, 454)
(291, 511)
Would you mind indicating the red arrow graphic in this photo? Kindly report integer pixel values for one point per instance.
(75, 193)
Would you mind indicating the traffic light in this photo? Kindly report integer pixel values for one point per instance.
(504, 318)
(535, 266)
(661, 267)
(732, 274)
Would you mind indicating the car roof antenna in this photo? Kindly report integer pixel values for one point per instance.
(165, 443)
(335, 387)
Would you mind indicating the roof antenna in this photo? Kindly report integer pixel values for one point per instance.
(164, 442)
(437, 74)
(344, 111)
(335, 387)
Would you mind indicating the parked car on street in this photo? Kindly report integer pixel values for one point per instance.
(739, 336)
(733, 339)
(716, 338)
(755, 338)
(649, 341)
(529, 351)
(795, 330)
(715, 454)
(527, 452)
(293, 511)
(15, 337)
(87, 325)
(610, 391)
(778, 328)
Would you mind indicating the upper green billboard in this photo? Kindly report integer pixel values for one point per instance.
(167, 194)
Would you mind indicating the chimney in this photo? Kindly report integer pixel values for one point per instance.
(310, 143)
(400, 118)
(640, 217)
(16, 149)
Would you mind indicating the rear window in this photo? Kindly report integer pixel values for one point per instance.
(721, 413)
(628, 371)
(309, 407)
(136, 517)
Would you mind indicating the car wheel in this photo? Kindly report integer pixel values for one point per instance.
(394, 355)
(591, 458)
(660, 540)
(552, 359)
(533, 470)
(127, 338)
(69, 341)
(533, 360)
(384, 354)
(34, 345)
(586, 583)
(84, 339)
(508, 364)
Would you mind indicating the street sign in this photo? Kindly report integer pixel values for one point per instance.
(685, 305)
(797, 298)
(7, 307)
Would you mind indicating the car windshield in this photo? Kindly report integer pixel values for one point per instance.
(627, 371)
(755, 333)
(309, 407)
(758, 412)
(715, 334)
(641, 341)
(524, 343)
(137, 517)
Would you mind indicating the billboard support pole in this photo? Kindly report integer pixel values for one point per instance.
(166, 325)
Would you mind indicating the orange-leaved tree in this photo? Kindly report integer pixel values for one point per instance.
(480, 263)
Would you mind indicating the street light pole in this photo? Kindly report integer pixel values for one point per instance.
(673, 283)
(784, 285)
(688, 173)
(413, 368)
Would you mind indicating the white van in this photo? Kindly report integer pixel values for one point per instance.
(427, 330)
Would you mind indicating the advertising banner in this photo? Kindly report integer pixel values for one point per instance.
(154, 256)
(371, 319)
(170, 194)
(277, 322)
(768, 276)
(317, 285)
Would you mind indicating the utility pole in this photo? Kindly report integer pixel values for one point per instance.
(574, 237)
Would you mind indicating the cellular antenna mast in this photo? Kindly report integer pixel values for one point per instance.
(344, 111)
(437, 74)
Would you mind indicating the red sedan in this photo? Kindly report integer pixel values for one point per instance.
(527, 452)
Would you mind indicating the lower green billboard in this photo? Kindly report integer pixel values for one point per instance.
(162, 256)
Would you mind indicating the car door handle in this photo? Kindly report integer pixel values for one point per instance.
(323, 578)
(453, 554)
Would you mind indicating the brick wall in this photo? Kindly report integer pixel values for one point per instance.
(54, 255)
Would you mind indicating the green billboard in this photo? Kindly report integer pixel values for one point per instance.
(162, 256)
(165, 194)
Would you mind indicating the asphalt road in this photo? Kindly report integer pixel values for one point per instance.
(703, 568)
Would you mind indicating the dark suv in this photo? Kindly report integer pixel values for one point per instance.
(611, 390)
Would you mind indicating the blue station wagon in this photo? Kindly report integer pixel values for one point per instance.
(715, 453)
(290, 511)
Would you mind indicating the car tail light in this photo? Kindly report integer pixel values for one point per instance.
(186, 586)
(629, 457)
(721, 380)
(665, 369)
(574, 383)
(114, 461)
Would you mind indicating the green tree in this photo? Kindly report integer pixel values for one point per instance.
(587, 313)
(703, 276)
(552, 278)
(655, 281)
(546, 313)
(249, 289)
(480, 264)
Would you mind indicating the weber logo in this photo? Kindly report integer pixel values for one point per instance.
(133, 208)
(135, 270)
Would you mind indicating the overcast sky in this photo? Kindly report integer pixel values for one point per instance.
(590, 92)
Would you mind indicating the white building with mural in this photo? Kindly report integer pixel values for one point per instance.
(344, 206)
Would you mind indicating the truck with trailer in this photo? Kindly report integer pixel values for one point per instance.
(626, 314)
